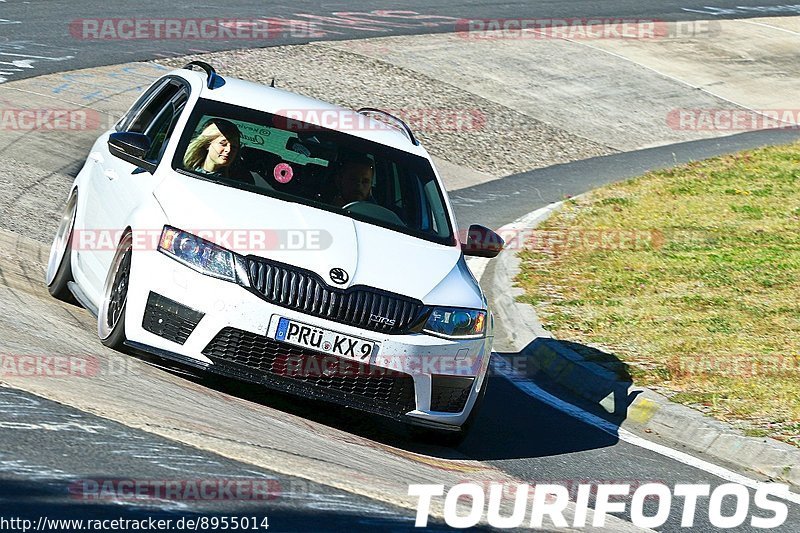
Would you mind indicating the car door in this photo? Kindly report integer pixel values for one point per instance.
(117, 187)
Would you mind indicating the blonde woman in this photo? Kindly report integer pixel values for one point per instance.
(213, 151)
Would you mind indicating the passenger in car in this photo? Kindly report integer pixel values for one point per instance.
(354, 181)
(213, 151)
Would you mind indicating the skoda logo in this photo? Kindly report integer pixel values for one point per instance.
(339, 276)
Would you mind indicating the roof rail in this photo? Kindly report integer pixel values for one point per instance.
(214, 80)
(395, 122)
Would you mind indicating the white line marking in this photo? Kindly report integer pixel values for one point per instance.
(62, 58)
(766, 11)
(533, 390)
(770, 26)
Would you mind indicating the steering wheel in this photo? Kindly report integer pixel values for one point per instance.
(374, 211)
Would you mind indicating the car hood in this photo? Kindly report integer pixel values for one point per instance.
(310, 238)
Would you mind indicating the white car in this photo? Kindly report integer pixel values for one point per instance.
(277, 239)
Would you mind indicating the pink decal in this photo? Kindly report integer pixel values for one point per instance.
(283, 173)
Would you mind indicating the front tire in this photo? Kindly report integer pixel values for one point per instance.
(59, 263)
(111, 316)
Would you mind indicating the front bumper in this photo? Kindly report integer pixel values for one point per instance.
(230, 331)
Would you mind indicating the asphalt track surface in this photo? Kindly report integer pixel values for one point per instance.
(514, 433)
(43, 36)
(59, 474)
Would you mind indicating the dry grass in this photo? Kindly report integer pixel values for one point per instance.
(691, 276)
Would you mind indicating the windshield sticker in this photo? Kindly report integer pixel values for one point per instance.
(283, 173)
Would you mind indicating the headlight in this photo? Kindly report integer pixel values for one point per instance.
(197, 253)
(455, 322)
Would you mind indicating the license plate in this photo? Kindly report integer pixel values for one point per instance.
(325, 341)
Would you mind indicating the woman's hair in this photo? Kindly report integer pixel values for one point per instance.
(197, 150)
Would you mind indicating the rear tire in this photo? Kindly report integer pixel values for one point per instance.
(111, 316)
(59, 263)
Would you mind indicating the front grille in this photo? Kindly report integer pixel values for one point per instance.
(390, 390)
(169, 319)
(305, 291)
(449, 393)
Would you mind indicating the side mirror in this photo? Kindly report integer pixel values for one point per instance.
(482, 242)
(131, 147)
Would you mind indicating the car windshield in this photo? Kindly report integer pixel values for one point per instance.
(327, 169)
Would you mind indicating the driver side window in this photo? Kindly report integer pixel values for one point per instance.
(155, 115)
(143, 117)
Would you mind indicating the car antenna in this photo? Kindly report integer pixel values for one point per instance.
(272, 83)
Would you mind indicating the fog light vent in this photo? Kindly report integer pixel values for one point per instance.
(169, 319)
(449, 393)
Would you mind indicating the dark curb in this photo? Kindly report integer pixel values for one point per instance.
(572, 371)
